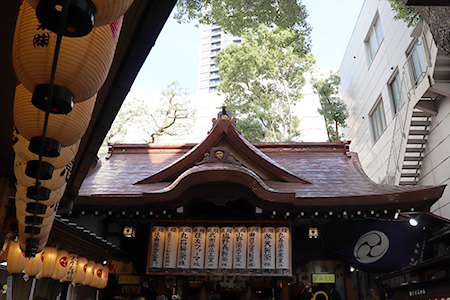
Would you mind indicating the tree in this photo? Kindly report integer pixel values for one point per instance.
(172, 115)
(234, 16)
(127, 116)
(262, 80)
(408, 14)
(333, 109)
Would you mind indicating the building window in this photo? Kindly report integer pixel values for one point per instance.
(373, 39)
(215, 30)
(396, 92)
(377, 119)
(416, 64)
(214, 74)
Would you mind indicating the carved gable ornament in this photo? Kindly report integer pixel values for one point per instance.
(219, 155)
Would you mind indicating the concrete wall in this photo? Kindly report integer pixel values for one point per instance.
(363, 84)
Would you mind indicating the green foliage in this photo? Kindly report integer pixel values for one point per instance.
(262, 80)
(333, 109)
(234, 16)
(407, 14)
(171, 115)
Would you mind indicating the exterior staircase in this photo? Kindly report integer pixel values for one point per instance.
(415, 147)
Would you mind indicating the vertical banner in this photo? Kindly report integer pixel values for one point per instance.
(254, 248)
(212, 248)
(156, 254)
(226, 248)
(240, 248)
(268, 248)
(282, 249)
(170, 248)
(198, 248)
(184, 247)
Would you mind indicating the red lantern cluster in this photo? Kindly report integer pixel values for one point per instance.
(60, 70)
(58, 264)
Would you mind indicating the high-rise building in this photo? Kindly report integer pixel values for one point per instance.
(212, 39)
(395, 82)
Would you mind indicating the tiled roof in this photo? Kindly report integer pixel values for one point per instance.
(299, 175)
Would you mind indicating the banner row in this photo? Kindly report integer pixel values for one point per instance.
(252, 249)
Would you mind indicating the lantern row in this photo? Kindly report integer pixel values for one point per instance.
(58, 81)
(245, 250)
(58, 264)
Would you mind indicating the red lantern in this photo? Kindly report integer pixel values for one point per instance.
(104, 279)
(97, 276)
(48, 261)
(61, 264)
(90, 270)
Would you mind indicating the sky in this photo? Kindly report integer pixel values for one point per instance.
(174, 56)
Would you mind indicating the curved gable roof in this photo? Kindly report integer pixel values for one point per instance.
(225, 134)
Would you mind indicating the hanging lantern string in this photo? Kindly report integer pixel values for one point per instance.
(60, 33)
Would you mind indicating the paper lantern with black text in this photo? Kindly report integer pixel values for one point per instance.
(23, 154)
(83, 62)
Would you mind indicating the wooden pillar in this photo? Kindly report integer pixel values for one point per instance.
(285, 289)
(348, 282)
(4, 198)
(161, 286)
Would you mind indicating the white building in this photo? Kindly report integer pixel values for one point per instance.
(396, 83)
(212, 39)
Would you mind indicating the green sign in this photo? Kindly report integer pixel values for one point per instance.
(323, 278)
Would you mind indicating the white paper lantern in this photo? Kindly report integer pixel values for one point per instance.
(282, 248)
(240, 248)
(62, 260)
(254, 248)
(34, 264)
(81, 270)
(170, 248)
(72, 265)
(90, 271)
(226, 248)
(104, 280)
(83, 62)
(268, 248)
(97, 276)
(67, 129)
(58, 180)
(55, 195)
(184, 247)
(49, 256)
(156, 256)
(20, 146)
(212, 248)
(198, 248)
(16, 260)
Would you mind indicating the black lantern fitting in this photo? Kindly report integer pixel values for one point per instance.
(62, 99)
(80, 20)
(52, 147)
(32, 169)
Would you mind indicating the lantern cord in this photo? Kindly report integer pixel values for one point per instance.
(60, 33)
